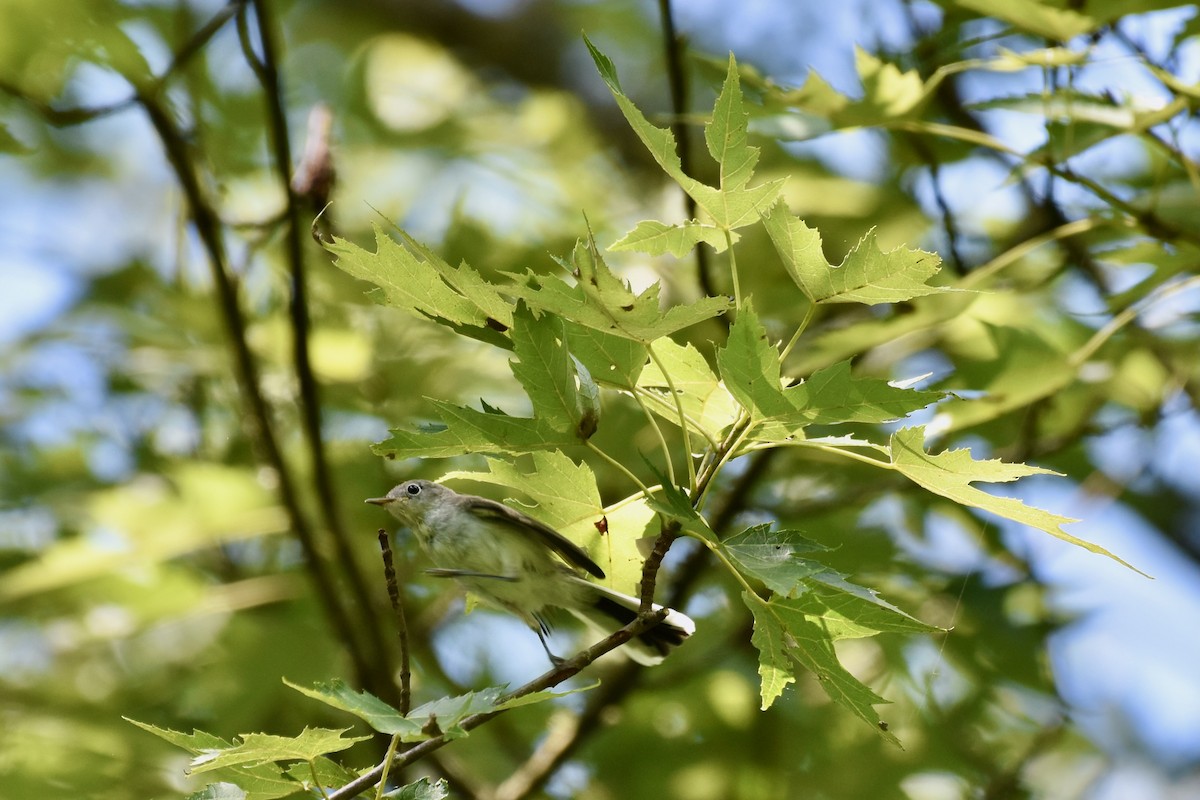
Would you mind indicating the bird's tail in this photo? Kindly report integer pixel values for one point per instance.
(609, 609)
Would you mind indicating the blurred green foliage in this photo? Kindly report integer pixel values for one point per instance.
(150, 569)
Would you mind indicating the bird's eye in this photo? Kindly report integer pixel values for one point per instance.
(412, 489)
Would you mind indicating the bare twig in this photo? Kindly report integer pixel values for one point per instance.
(389, 574)
(258, 418)
(554, 677)
(673, 49)
(265, 67)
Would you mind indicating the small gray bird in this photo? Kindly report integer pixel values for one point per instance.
(508, 559)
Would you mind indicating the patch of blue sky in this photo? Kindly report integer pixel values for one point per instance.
(1126, 651)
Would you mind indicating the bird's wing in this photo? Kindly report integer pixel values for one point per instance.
(568, 550)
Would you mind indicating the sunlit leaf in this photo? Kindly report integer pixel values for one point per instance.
(950, 474)
(732, 205)
(1039, 18)
(261, 748)
(610, 360)
(708, 406)
(260, 781)
(656, 238)
(471, 431)
(604, 303)
(867, 275)
(832, 395)
(415, 279)
(544, 369)
(749, 366)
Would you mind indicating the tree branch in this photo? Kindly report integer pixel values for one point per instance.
(554, 677)
(257, 419)
(310, 403)
(673, 45)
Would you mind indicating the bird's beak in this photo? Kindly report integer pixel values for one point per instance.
(378, 501)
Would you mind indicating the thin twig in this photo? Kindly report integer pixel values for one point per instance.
(673, 46)
(667, 536)
(949, 223)
(389, 574)
(265, 67)
(554, 677)
(258, 418)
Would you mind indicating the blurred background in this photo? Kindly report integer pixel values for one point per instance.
(165, 507)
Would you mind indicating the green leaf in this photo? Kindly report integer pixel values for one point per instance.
(329, 773)
(654, 237)
(568, 500)
(775, 669)
(544, 369)
(671, 502)
(415, 279)
(708, 406)
(867, 275)
(773, 557)
(261, 748)
(844, 609)
(602, 302)
(734, 204)
(950, 475)
(471, 431)
(260, 782)
(610, 360)
(787, 638)
(448, 713)
(749, 366)
(444, 715)
(1035, 17)
(364, 705)
(832, 395)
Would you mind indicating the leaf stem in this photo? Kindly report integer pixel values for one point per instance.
(683, 428)
(662, 440)
(733, 270)
(718, 458)
(619, 466)
(874, 462)
(312, 769)
(387, 766)
(808, 315)
(641, 395)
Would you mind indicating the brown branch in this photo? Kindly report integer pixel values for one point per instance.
(310, 404)
(554, 677)
(389, 575)
(673, 45)
(257, 419)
